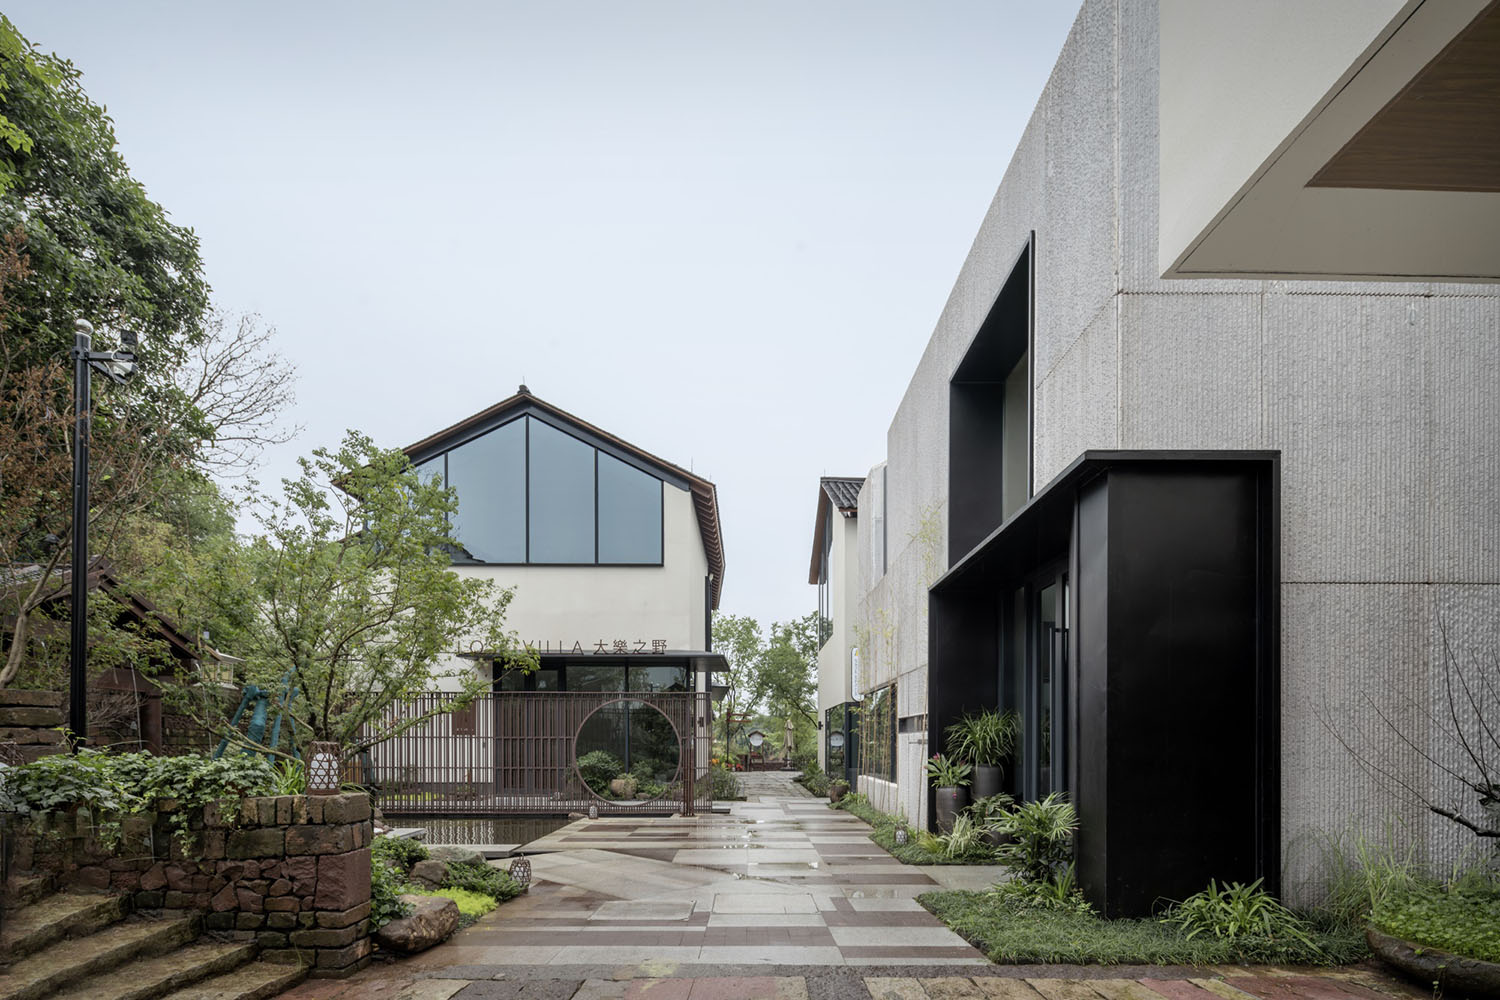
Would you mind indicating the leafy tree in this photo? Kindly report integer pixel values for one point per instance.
(739, 639)
(99, 248)
(784, 680)
(36, 475)
(352, 594)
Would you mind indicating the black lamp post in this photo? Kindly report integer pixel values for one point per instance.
(117, 366)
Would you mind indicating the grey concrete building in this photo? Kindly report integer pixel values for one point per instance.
(1207, 530)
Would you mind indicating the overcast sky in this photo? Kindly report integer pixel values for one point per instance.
(723, 231)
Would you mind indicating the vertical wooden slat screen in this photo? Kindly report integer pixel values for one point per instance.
(512, 753)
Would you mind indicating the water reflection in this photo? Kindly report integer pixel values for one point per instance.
(486, 830)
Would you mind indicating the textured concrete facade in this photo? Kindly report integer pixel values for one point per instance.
(1382, 398)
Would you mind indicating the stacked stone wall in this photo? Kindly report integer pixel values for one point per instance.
(32, 720)
(290, 872)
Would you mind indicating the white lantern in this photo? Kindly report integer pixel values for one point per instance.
(323, 777)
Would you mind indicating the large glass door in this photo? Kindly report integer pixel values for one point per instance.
(1036, 682)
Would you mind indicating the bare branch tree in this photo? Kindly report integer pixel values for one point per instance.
(1465, 729)
(241, 386)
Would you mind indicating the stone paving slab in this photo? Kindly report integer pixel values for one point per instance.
(820, 914)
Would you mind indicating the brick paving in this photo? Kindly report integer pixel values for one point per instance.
(780, 899)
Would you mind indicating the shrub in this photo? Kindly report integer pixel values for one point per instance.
(990, 810)
(471, 905)
(813, 779)
(966, 841)
(1463, 918)
(482, 878)
(386, 887)
(987, 738)
(1235, 911)
(1363, 873)
(1041, 837)
(724, 784)
(597, 767)
(1060, 894)
(114, 785)
(400, 853)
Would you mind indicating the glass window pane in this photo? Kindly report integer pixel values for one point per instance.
(629, 513)
(588, 677)
(431, 470)
(489, 475)
(659, 679)
(562, 497)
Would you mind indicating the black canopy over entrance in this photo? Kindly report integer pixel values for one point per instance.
(1129, 612)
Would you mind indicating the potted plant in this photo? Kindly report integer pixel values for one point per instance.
(985, 739)
(951, 778)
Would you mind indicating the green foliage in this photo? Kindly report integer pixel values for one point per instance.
(387, 884)
(724, 784)
(773, 674)
(1041, 835)
(1030, 934)
(398, 853)
(112, 786)
(966, 843)
(990, 810)
(291, 778)
(1361, 873)
(598, 768)
(471, 905)
(1238, 911)
(351, 576)
(813, 779)
(1059, 894)
(883, 833)
(986, 738)
(1463, 918)
(485, 879)
(948, 772)
(98, 247)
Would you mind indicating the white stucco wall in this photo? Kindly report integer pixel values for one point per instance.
(1382, 399)
(561, 605)
(834, 664)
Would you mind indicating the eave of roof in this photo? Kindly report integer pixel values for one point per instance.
(705, 494)
(842, 491)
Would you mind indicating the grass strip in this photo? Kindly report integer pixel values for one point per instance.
(1018, 937)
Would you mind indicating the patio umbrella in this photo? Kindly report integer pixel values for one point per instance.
(786, 743)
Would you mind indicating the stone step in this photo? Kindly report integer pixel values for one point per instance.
(147, 978)
(23, 890)
(256, 981)
(65, 962)
(29, 929)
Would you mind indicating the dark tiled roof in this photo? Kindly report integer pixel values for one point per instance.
(705, 494)
(843, 491)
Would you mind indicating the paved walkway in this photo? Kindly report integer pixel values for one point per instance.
(780, 899)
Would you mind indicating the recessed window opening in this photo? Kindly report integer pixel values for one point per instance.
(989, 417)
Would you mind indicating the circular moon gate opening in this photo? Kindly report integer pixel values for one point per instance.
(628, 751)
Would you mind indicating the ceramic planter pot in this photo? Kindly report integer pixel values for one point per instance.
(950, 802)
(986, 780)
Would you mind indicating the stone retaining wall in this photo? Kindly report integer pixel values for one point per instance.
(31, 720)
(291, 872)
